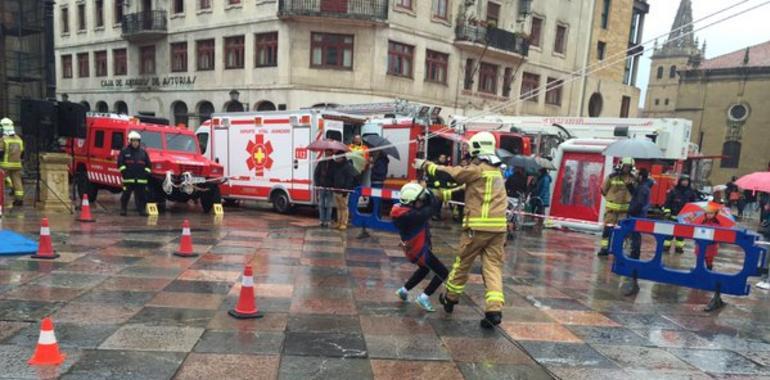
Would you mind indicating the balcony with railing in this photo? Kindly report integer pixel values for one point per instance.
(495, 39)
(144, 26)
(357, 10)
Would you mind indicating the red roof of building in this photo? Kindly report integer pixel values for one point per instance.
(759, 56)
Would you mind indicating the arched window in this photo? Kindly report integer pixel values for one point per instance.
(731, 154)
(660, 72)
(179, 109)
(672, 72)
(205, 109)
(265, 105)
(102, 107)
(86, 105)
(121, 107)
(233, 106)
(595, 104)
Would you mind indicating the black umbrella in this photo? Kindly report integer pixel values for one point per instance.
(382, 144)
(503, 154)
(529, 164)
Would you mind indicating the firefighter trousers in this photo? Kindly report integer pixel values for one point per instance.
(488, 245)
(13, 177)
(612, 218)
(140, 200)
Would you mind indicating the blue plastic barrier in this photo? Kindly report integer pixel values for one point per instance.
(699, 277)
(16, 244)
(374, 220)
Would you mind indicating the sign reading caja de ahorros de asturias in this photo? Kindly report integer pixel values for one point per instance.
(170, 81)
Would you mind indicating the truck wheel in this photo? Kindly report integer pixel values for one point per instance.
(84, 186)
(210, 197)
(281, 202)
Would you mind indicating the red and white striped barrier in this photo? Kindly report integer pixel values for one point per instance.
(721, 235)
(380, 193)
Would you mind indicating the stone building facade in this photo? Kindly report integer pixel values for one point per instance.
(184, 59)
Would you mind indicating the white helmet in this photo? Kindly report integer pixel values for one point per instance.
(482, 144)
(411, 192)
(7, 125)
(134, 135)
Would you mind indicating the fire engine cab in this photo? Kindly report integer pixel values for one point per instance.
(265, 154)
(179, 171)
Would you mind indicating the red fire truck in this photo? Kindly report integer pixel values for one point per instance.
(179, 171)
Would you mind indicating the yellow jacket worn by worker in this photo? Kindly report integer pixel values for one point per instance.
(13, 150)
(617, 191)
(617, 196)
(484, 226)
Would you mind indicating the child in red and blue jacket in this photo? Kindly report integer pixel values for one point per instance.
(411, 217)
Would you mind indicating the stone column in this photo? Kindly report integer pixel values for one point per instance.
(54, 182)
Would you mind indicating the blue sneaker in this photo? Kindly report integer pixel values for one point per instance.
(425, 304)
(402, 294)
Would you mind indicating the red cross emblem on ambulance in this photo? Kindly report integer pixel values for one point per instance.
(259, 154)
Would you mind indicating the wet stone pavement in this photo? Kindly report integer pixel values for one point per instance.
(125, 308)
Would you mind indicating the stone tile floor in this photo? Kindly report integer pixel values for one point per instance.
(125, 308)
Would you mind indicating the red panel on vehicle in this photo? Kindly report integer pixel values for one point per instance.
(577, 192)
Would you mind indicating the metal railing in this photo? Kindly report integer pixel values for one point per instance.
(376, 10)
(142, 22)
(496, 38)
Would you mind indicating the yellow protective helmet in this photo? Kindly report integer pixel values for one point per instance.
(482, 144)
(7, 126)
(411, 192)
(627, 161)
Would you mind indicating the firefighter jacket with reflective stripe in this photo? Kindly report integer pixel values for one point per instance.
(617, 191)
(13, 150)
(485, 197)
(135, 165)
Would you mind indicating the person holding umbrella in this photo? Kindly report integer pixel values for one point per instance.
(677, 197)
(323, 178)
(617, 190)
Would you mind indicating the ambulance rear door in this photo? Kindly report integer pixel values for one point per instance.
(301, 176)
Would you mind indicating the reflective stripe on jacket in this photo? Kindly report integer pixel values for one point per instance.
(13, 148)
(616, 192)
(485, 197)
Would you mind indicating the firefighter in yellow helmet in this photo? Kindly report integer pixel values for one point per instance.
(484, 225)
(11, 155)
(617, 190)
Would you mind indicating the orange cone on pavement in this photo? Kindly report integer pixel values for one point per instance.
(185, 242)
(44, 245)
(246, 306)
(47, 350)
(85, 211)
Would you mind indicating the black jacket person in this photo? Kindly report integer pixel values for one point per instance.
(135, 166)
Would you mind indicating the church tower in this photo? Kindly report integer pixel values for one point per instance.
(678, 53)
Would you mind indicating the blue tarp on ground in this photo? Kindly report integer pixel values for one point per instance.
(12, 243)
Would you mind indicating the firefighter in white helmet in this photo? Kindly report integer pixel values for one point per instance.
(618, 189)
(11, 156)
(484, 225)
(135, 166)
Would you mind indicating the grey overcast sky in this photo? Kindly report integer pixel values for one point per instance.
(735, 34)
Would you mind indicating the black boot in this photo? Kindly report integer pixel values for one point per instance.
(123, 212)
(449, 305)
(604, 252)
(632, 288)
(679, 250)
(716, 303)
(491, 319)
(18, 203)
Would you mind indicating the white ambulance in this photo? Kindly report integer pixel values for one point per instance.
(265, 156)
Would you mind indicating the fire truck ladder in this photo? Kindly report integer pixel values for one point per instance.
(399, 107)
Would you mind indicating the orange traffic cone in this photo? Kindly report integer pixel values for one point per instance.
(47, 350)
(185, 242)
(44, 245)
(247, 306)
(85, 211)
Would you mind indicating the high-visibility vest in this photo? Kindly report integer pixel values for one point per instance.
(13, 147)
